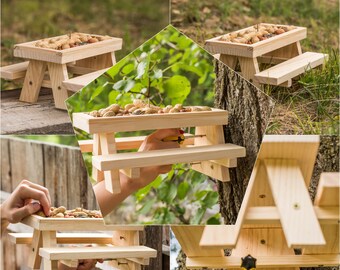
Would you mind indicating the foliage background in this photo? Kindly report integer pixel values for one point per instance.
(167, 69)
(311, 106)
(26, 20)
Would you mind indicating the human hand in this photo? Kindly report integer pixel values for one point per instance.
(154, 142)
(20, 204)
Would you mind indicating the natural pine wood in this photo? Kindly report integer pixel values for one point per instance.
(58, 74)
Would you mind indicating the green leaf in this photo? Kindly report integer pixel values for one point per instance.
(119, 85)
(210, 199)
(214, 220)
(128, 69)
(97, 92)
(112, 96)
(198, 216)
(158, 73)
(143, 68)
(129, 85)
(147, 206)
(167, 191)
(182, 190)
(177, 88)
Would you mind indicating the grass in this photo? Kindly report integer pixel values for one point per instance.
(312, 104)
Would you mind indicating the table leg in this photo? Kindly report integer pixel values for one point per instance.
(108, 146)
(96, 174)
(49, 238)
(50, 265)
(33, 80)
(287, 52)
(58, 74)
(249, 67)
(34, 258)
(229, 60)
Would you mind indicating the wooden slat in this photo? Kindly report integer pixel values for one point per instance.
(189, 238)
(270, 215)
(114, 252)
(58, 73)
(76, 83)
(328, 190)
(149, 122)
(265, 261)
(15, 71)
(65, 238)
(294, 205)
(128, 143)
(291, 68)
(71, 224)
(167, 156)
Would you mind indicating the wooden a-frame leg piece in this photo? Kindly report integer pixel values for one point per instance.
(229, 60)
(58, 74)
(96, 174)
(33, 80)
(249, 67)
(50, 265)
(111, 177)
(34, 258)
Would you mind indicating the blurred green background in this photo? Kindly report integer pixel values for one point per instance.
(134, 21)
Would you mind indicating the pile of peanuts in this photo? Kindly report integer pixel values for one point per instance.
(61, 212)
(256, 33)
(139, 107)
(69, 41)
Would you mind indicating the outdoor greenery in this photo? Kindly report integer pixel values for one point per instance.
(311, 105)
(167, 69)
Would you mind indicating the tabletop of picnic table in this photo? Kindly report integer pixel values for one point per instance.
(25, 118)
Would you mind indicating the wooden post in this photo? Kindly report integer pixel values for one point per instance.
(249, 67)
(58, 74)
(34, 258)
(33, 80)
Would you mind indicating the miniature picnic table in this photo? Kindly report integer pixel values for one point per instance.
(122, 245)
(90, 61)
(283, 51)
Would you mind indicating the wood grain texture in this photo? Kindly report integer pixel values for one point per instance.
(68, 253)
(249, 67)
(15, 71)
(328, 190)
(148, 122)
(58, 74)
(167, 156)
(298, 219)
(32, 118)
(33, 81)
(291, 68)
(265, 261)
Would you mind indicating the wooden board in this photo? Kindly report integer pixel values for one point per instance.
(76, 83)
(291, 68)
(167, 156)
(28, 50)
(69, 253)
(65, 238)
(15, 71)
(93, 125)
(74, 224)
(189, 238)
(215, 45)
(303, 148)
(265, 261)
(328, 190)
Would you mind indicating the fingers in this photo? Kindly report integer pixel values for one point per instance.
(36, 186)
(20, 213)
(160, 134)
(26, 192)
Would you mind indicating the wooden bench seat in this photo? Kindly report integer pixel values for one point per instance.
(291, 68)
(65, 238)
(76, 83)
(14, 72)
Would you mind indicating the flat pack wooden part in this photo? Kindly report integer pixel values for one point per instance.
(167, 156)
(15, 71)
(112, 252)
(128, 143)
(328, 190)
(304, 149)
(215, 45)
(28, 50)
(291, 68)
(65, 238)
(71, 224)
(189, 238)
(76, 83)
(298, 219)
(93, 125)
(264, 261)
(58, 74)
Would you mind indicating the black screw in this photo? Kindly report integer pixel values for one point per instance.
(30, 82)
(262, 196)
(59, 88)
(263, 241)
